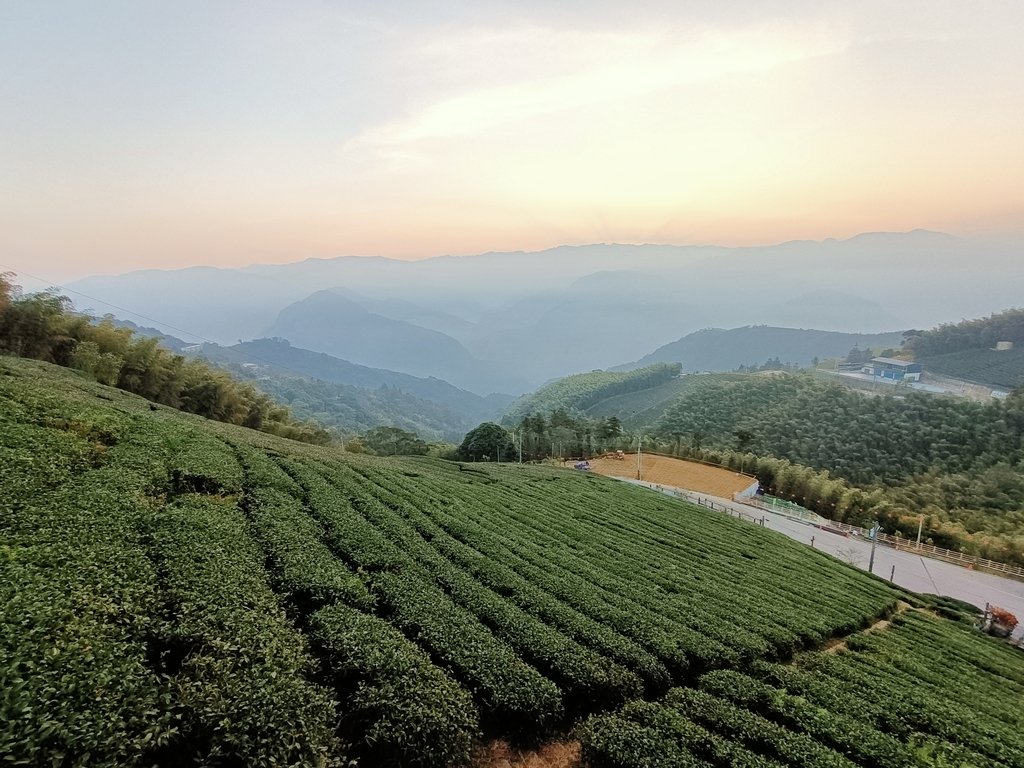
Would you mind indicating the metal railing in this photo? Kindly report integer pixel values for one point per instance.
(973, 562)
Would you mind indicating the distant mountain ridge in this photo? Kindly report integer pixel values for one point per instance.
(508, 322)
(470, 408)
(327, 321)
(717, 349)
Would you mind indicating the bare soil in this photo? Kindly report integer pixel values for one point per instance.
(839, 644)
(557, 754)
(678, 473)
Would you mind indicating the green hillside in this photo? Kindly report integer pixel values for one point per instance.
(980, 333)
(718, 349)
(644, 407)
(966, 350)
(882, 702)
(959, 463)
(583, 390)
(279, 355)
(177, 591)
(350, 398)
(1004, 368)
(346, 410)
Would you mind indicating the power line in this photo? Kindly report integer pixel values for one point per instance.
(242, 357)
(107, 303)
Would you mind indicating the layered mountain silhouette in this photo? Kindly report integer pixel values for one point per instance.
(507, 322)
(329, 322)
(284, 356)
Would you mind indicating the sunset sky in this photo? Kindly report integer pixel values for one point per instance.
(166, 134)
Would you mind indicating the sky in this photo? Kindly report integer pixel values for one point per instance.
(143, 134)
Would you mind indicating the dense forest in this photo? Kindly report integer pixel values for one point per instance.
(43, 326)
(583, 390)
(346, 410)
(982, 333)
(966, 350)
(956, 462)
(279, 357)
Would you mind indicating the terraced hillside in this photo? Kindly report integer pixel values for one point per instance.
(177, 592)
(985, 366)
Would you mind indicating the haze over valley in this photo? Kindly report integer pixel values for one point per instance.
(509, 322)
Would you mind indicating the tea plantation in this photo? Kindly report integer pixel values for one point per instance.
(176, 592)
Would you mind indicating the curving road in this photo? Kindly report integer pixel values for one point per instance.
(910, 571)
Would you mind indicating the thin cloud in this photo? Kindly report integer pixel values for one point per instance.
(595, 69)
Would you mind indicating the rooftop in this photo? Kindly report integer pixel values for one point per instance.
(892, 361)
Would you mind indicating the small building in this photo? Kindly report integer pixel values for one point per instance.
(1003, 346)
(893, 369)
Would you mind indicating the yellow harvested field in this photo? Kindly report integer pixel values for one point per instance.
(678, 473)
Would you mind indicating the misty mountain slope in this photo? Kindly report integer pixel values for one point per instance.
(592, 324)
(222, 305)
(549, 313)
(831, 310)
(348, 410)
(328, 322)
(285, 358)
(715, 349)
(447, 323)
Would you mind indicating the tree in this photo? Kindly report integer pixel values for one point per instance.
(7, 289)
(392, 441)
(858, 355)
(744, 437)
(487, 442)
(610, 428)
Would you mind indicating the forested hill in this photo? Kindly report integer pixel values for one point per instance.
(346, 411)
(717, 349)
(981, 333)
(955, 460)
(280, 360)
(966, 350)
(43, 326)
(579, 392)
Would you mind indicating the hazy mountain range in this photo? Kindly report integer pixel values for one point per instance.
(279, 356)
(507, 322)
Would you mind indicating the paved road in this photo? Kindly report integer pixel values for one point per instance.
(913, 572)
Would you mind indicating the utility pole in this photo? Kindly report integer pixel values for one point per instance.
(520, 446)
(920, 523)
(874, 541)
(639, 474)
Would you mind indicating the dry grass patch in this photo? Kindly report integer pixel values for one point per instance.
(557, 754)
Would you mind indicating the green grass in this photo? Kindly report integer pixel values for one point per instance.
(179, 591)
